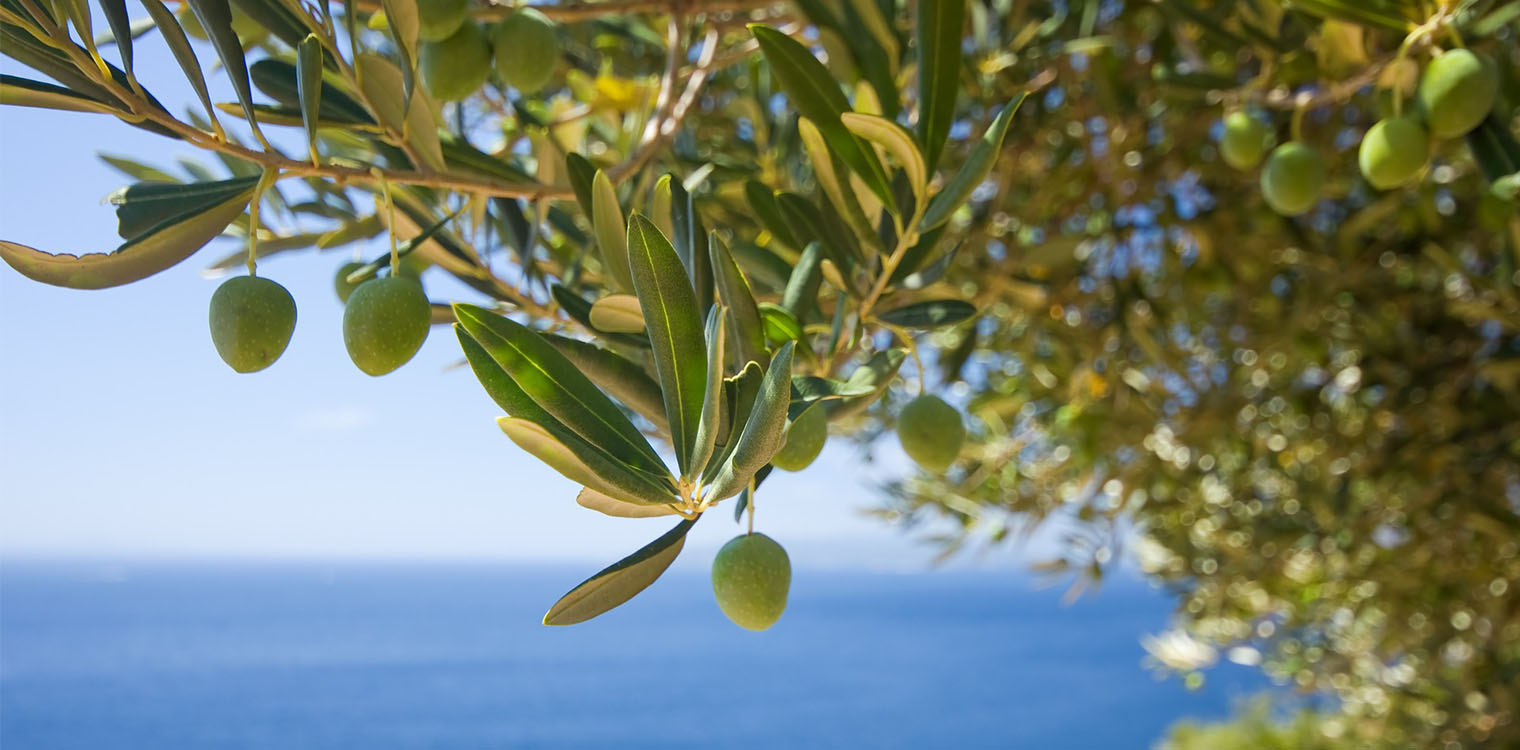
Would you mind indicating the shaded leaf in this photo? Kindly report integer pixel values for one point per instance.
(620, 581)
(801, 295)
(384, 89)
(22, 92)
(115, 12)
(894, 140)
(939, 28)
(780, 324)
(690, 242)
(763, 430)
(582, 174)
(179, 45)
(708, 425)
(930, 314)
(216, 18)
(146, 205)
(620, 377)
(739, 301)
(582, 463)
(309, 89)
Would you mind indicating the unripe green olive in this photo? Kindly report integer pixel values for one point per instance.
(1393, 152)
(1292, 179)
(804, 440)
(1456, 92)
(931, 432)
(527, 50)
(251, 322)
(437, 20)
(340, 280)
(457, 66)
(751, 576)
(385, 322)
(1246, 139)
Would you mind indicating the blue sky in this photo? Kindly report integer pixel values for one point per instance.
(123, 434)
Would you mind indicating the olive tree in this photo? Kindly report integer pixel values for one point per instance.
(1232, 282)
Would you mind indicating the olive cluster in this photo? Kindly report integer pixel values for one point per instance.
(385, 320)
(1457, 90)
(459, 53)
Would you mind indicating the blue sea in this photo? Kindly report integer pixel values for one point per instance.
(323, 656)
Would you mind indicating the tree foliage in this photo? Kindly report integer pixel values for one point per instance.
(715, 217)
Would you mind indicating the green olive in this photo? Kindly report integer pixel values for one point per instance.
(804, 440)
(340, 280)
(385, 322)
(1246, 139)
(1393, 152)
(527, 50)
(1457, 90)
(457, 66)
(931, 432)
(437, 20)
(751, 576)
(251, 322)
(1292, 179)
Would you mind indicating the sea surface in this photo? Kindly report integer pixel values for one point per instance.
(300, 656)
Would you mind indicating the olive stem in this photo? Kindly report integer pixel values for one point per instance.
(265, 180)
(390, 217)
(1296, 125)
(751, 508)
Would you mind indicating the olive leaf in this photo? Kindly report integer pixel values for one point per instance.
(22, 92)
(611, 232)
(976, 168)
(283, 18)
(930, 314)
(894, 140)
(621, 581)
(762, 200)
(939, 29)
(739, 300)
(281, 81)
(383, 87)
(179, 45)
(115, 12)
(708, 425)
(216, 18)
(558, 388)
(579, 310)
(739, 394)
(309, 89)
(817, 97)
(675, 331)
(800, 297)
(618, 376)
(618, 313)
(823, 170)
(660, 206)
(689, 239)
(611, 506)
(874, 376)
(780, 324)
(763, 430)
(159, 236)
(402, 21)
(582, 175)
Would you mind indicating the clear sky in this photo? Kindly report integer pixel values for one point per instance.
(123, 434)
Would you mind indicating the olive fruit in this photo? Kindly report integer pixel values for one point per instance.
(1246, 139)
(437, 20)
(457, 66)
(340, 280)
(931, 432)
(251, 322)
(751, 576)
(1393, 152)
(385, 322)
(804, 440)
(1292, 179)
(1456, 92)
(527, 50)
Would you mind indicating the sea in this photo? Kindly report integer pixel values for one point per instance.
(379, 656)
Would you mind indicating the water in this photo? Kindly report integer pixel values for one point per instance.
(299, 656)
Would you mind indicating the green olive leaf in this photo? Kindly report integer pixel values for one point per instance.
(675, 331)
(739, 300)
(22, 92)
(976, 168)
(179, 45)
(621, 581)
(763, 430)
(800, 297)
(762, 200)
(940, 26)
(582, 174)
(708, 426)
(557, 387)
(895, 141)
(216, 18)
(780, 324)
(383, 87)
(152, 247)
(582, 463)
(618, 376)
(611, 232)
(309, 89)
(689, 239)
(115, 12)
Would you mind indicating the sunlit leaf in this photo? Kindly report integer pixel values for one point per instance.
(620, 581)
(976, 168)
(618, 313)
(675, 331)
(939, 29)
